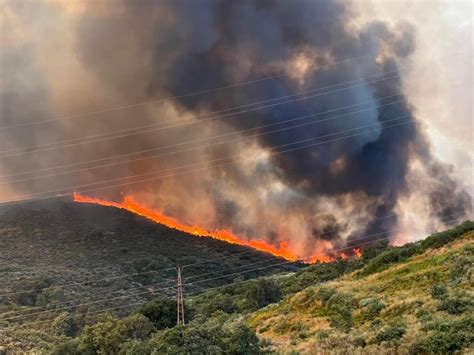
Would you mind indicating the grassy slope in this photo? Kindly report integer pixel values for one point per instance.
(54, 243)
(388, 311)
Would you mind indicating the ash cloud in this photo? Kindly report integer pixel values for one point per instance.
(318, 192)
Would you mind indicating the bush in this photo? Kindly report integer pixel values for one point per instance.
(261, 293)
(26, 292)
(208, 338)
(370, 308)
(439, 292)
(392, 332)
(461, 269)
(136, 347)
(162, 313)
(391, 256)
(340, 306)
(437, 240)
(69, 347)
(454, 305)
(64, 324)
(447, 337)
(242, 340)
(324, 294)
(107, 337)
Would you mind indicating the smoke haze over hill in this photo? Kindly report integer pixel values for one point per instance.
(344, 173)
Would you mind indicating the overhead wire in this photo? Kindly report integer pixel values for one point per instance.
(156, 100)
(59, 192)
(196, 120)
(206, 280)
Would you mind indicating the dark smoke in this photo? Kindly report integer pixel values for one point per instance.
(145, 49)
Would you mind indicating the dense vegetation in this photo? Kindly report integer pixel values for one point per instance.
(414, 299)
(102, 254)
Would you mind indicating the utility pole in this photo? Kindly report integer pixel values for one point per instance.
(180, 298)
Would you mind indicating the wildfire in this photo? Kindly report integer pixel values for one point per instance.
(131, 205)
(357, 252)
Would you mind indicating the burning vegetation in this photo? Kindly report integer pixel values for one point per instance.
(131, 205)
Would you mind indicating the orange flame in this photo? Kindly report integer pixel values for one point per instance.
(131, 205)
(357, 252)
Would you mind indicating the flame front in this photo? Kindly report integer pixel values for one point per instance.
(283, 250)
(131, 205)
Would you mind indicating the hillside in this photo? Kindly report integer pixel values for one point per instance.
(107, 258)
(418, 304)
(413, 299)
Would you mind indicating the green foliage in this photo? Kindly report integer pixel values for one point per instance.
(391, 332)
(391, 256)
(340, 307)
(107, 337)
(439, 292)
(454, 305)
(399, 254)
(242, 340)
(261, 293)
(447, 337)
(437, 240)
(27, 292)
(136, 347)
(208, 338)
(461, 269)
(161, 312)
(319, 273)
(370, 308)
(65, 324)
(69, 347)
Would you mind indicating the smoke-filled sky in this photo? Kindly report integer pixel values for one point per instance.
(361, 128)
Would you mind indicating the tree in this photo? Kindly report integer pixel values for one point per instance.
(261, 293)
(162, 313)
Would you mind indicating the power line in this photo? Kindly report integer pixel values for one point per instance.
(157, 126)
(158, 148)
(57, 192)
(125, 296)
(185, 266)
(118, 277)
(117, 108)
(220, 136)
(213, 272)
(211, 279)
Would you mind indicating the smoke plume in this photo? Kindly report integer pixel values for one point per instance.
(321, 170)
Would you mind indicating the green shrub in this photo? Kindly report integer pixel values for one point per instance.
(261, 293)
(340, 306)
(325, 293)
(161, 312)
(322, 335)
(391, 256)
(437, 240)
(461, 269)
(136, 347)
(454, 305)
(242, 341)
(107, 336)
(448, 337)
(439, 292)
(69, 347)
(392, 332)
(65, 324)
(370, 308)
